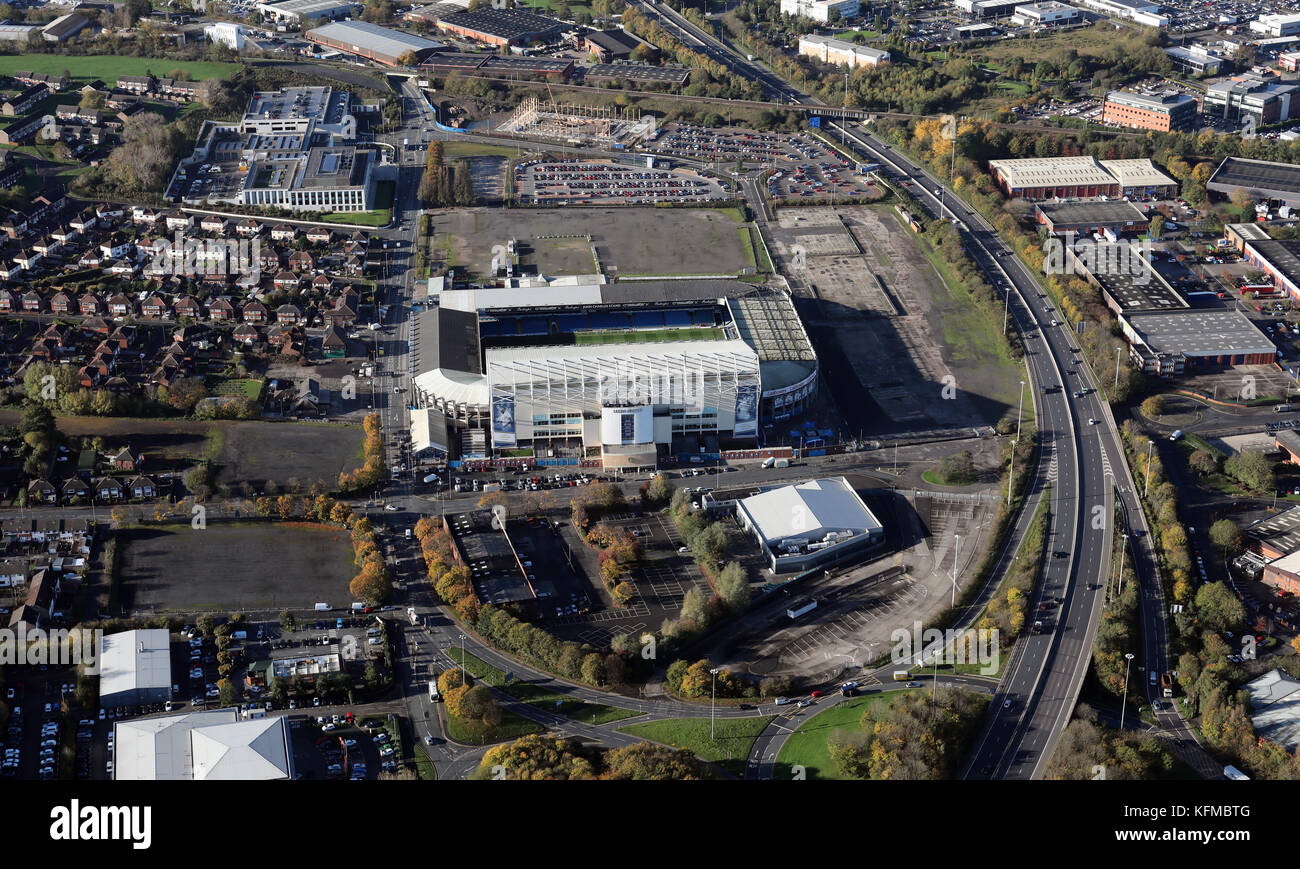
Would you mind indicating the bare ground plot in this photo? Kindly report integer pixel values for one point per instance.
(260, 567)
(252, 451)
(859, 609)
(630, 241)
(901, 352)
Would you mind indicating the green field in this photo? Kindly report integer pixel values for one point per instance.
(648, 336)
(247, 387)
(730, 749)
(535, 695)
(806, 747)
(109, 67)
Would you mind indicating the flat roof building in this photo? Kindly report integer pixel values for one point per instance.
(809, 524)
(1053, 177)
(1162, 112)
(841, 52)
(615, 44)
(1279, 534)
(380, 44)
(1140, 177)
(202, 746)
(1047, 14)
(297, 11)
(1175, 342)
(1277, 258)
(135, 668)
(501, 26)
(988, 8)
(1276, 25)
(1265, 100)
(1084, 218)
(1195, 59)
(1259, 178)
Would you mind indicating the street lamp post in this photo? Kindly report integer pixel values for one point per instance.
(1121, 566)
(956, 548)
(1020, 410)
(1011, 475)
(462, 659)
(1146, 487)
(1118, 350)
(1006, 308)
(1128, 662)
(713, 695)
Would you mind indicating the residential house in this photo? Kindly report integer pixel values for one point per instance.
(42, 490)
(90, 305)
(108, 489)
(141, 487)
(188, 307)
(255, 312)
(283, 232)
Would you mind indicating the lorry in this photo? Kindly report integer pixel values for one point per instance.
(1282, 408)
(1233, 774)
(1166, 685)
(358, 606)
(781, 463)
(431, 477)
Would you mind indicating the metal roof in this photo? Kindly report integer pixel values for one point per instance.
(134, 660)
(808, 510)
(382, 41)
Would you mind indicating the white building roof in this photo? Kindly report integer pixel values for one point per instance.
(429, 429)
(486, 298)
(1136, 173)
(809, 510)
(134, 659)
(1051, 171)
(455, 387)
(202, 745)
(1275, 702)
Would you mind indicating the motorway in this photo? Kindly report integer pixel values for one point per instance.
(1082, 459)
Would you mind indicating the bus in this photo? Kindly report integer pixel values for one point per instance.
(800, 607)
(1234, 774)
(902, 676)
(433, 690)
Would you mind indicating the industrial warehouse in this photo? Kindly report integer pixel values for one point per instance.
(372, 42)
(590, 369)
(497, 27)
(1080, 178)
(1279, 182)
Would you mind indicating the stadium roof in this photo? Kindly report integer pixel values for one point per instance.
(1257, 175)
(1051, 171)
(629, 350)
(810, 510)
(455, 387)
(1136, 173)
(1275, 703)
(1200, 333)
(132, 660)
(383, 41)
(202, 745)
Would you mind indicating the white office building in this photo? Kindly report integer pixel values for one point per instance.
(820, 10)
(225, 33)
(841, 52)
(1276, 25)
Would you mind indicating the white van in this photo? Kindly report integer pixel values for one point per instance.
(769, 462)
(323, 607)
(1176, 435)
